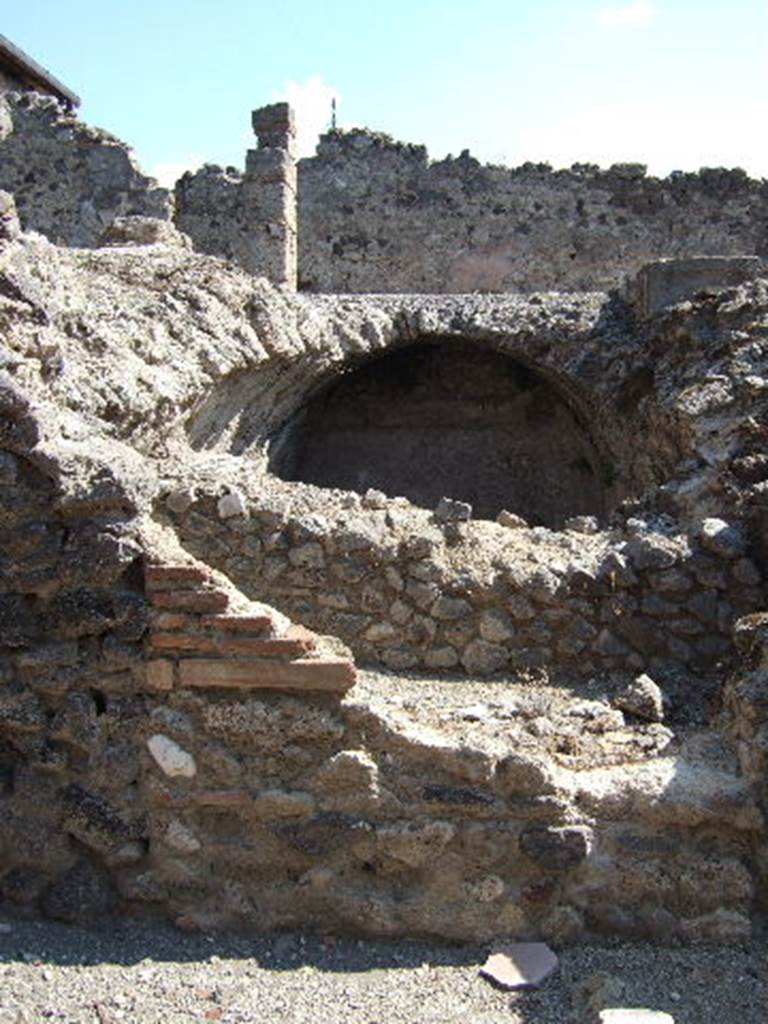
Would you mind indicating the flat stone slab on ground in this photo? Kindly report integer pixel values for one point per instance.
(623, 1016)
(520, 964)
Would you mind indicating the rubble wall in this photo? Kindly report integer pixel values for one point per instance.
(249, 218)
(406, 591)
(377, 216)
(70, 180)
(169, 746)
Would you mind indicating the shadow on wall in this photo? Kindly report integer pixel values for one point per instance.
(447, 418)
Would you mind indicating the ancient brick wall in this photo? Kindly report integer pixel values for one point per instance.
(404, 591)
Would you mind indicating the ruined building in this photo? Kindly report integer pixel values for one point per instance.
(382, 542)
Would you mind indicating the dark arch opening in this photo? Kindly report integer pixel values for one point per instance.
(447, 418)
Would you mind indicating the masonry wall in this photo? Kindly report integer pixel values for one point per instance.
(249, 218)
(168, 747)
(70, 180)
(376, 215)
(448, 419)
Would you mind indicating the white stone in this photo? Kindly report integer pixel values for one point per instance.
(232, 504)
(520, 964)
(630, 1016)
(180, 838)
(511, 520)
(173, 759)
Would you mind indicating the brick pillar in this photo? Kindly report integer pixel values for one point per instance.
(269, 194)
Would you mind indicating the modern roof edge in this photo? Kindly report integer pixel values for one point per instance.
(21, 64)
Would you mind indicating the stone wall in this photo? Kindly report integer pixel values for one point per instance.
(377, 216)
(70, 180)
(408, 591)
(249, 218)
(169, 746)
(72, 616)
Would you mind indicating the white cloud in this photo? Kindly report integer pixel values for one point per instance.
(311, 100)
(168, 172)
(637, 13)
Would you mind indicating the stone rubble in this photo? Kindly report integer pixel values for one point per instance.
(556, 725)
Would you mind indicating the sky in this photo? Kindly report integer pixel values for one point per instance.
(674, 84)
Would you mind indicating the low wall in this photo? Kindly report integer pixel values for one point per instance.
(406, 591)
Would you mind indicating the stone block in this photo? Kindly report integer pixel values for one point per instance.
(664, 283)
(275, 124)
(556, 849)
(171, 758)
(334, 675)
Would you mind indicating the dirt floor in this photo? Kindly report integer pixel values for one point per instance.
(147, 973)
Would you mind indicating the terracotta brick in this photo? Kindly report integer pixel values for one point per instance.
(164, 576)
(159, 674)
(259, 625)
(328, 674)
(173, 620)
(183, 642)
(191, 600)
(258, 648)
(223, 798)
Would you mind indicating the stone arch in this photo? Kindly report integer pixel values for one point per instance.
(445, 416)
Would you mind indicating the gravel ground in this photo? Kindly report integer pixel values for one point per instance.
(144, 972)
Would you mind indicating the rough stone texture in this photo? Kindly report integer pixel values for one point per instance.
(146, 395)
(667, 282)
(376, 215)
(642, 698)
(249, 218)
(70, 181)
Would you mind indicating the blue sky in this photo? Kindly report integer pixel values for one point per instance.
(671, 83)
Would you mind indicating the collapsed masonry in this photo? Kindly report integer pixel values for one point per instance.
(216, 492)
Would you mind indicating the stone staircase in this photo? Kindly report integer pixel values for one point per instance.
(204, 636)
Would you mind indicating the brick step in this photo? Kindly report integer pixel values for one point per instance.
(332, 675)
(286, 647)
(175, 577)
(258, 626)
(200, 601)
